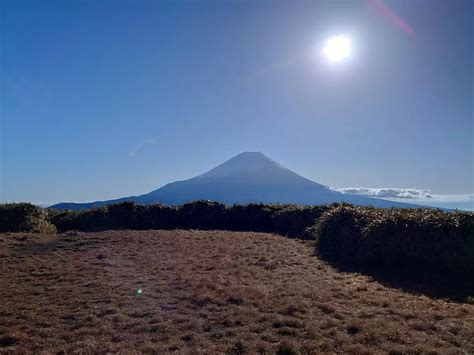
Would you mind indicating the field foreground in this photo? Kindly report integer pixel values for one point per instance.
(207, 291)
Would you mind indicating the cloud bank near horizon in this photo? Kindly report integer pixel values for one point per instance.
(417, 196)
(386, 192)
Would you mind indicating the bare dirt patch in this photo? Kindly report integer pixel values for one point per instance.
(207, 291)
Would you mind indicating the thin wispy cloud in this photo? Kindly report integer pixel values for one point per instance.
(140, 146)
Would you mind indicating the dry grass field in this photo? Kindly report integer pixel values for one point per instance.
(207, 292)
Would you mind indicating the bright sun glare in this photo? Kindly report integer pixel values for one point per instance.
(337, 48)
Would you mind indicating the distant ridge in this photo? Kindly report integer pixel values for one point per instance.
(247, 177)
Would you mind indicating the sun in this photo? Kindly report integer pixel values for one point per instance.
(337, 48)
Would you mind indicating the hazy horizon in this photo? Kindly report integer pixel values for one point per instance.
(107, 99)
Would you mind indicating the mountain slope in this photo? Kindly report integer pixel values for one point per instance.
(245, 178)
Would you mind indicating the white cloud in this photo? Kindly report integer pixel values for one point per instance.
(140, 145)
(417, 196)
(385, 192)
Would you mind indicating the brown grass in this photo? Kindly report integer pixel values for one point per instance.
(203, 292)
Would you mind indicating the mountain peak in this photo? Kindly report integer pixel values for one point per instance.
(245, 163)
(251, 153)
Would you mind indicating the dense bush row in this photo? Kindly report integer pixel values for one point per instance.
(24, 217)
(289, 220)
(423, 240)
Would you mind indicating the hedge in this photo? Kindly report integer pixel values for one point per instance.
(289, 220)
(414, 240)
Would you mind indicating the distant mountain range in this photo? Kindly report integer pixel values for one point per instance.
(247, 177)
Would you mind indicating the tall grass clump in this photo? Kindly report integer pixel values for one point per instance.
(24, 217)
(414, 240)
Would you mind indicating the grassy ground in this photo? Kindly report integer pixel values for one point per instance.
(207, 292)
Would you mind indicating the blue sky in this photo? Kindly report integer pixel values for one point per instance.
(103, 99)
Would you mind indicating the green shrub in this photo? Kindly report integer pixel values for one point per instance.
(157, 216)
(403, 239)
(65, 221)
(292, 220)
(24, 217)
(123, 215)
(202, 214)
(252, 217)
(337, 231)
(94, 219)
